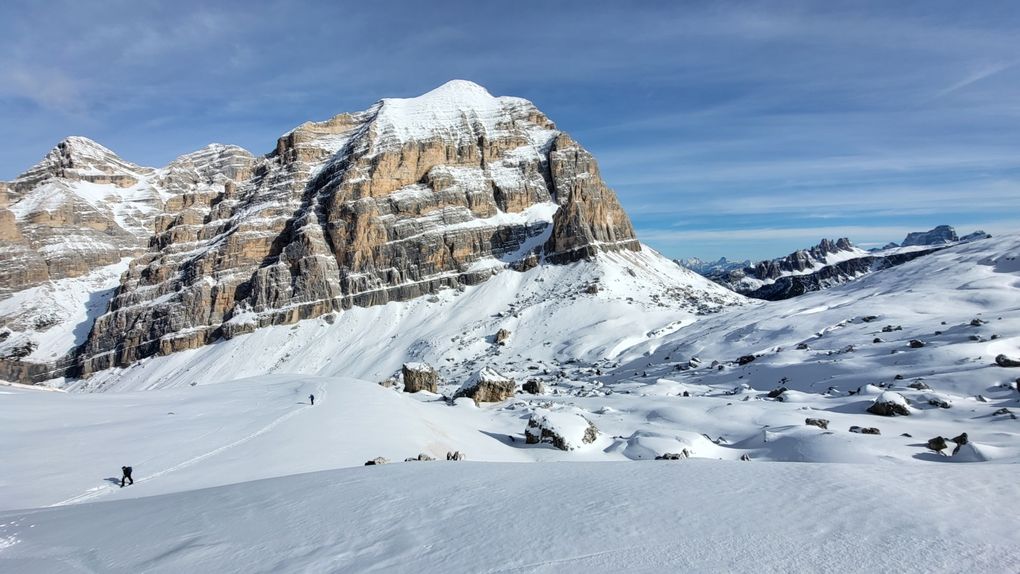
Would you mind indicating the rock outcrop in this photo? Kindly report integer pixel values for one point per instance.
(565, 429)
(890, 404)
(937, 444)
(487, 386)
(1004, 361)
(420, 377)
(533, 387)
(941, 235)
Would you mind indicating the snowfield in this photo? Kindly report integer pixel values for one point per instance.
(235, 471)
(694, 516)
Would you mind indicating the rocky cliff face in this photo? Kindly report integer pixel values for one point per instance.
(407, 197)
(826, 264)
(805, 259)
(826, 276)
(83, 207)
(940, 235)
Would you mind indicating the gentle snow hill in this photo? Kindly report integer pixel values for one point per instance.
(693, 516)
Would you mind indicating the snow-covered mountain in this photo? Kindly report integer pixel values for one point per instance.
(408, 199)
(940, 235)
(827, 264)
(706, 268)
(937, 236)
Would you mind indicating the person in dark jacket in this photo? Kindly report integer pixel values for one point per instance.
(127, 476)
(311, 399)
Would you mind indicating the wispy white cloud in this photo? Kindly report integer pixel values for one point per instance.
(48, 88)
(982, 73)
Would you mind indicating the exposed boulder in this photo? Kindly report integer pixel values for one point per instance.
(420, 377)
(377, 461)
(502, 336)
(916, 343)
(777, 393)
(566, 429)
(745, 457)
(422, 457)
(820, 423)
(937, 402)
(865, 430)
(960, 441)
(890, 328)
(890, 404)
(534, 387)
(454, 455)
(745, 359)
(674, 455)
(937, 444)
(919, 385)
(1004, 361)
(487, 386)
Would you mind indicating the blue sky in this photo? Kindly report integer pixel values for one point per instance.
(739, 129)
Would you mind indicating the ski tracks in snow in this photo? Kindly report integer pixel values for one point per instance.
(98, 491)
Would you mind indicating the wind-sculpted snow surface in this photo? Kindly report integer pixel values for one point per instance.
(652, 517)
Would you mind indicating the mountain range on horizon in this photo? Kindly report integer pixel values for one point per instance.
(830, 263)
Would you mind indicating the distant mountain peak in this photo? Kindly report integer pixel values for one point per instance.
(458, 108)
(939, 235)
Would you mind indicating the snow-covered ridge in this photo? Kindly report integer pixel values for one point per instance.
(458, 109)
(825, 265)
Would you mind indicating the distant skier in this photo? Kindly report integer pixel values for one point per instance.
(311, 399)
(127, 476)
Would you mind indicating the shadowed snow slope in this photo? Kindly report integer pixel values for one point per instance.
(694, 516)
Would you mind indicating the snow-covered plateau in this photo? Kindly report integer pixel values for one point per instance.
(767, 410)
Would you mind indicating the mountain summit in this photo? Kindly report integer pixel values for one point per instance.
(401, 200)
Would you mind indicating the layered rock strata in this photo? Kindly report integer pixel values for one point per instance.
(398, 201)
